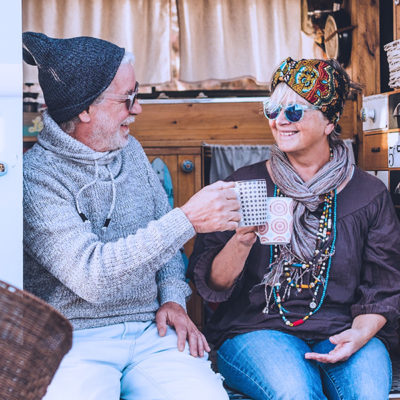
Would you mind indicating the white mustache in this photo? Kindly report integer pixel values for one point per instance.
(129, 120)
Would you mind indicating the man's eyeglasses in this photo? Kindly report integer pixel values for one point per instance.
(128, 98)
(293, 112)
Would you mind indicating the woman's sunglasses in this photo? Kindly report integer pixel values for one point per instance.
(293, 112)
(128, 98)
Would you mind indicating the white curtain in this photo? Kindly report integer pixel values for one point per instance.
(140, 26)
(230, 39)
(225, 159)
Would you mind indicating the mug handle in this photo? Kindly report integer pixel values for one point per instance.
(260, 235)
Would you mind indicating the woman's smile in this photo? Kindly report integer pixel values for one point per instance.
(287, 133)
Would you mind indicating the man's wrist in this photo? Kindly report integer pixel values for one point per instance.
(186, 210)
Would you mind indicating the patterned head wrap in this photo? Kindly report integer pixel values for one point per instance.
(317, 82)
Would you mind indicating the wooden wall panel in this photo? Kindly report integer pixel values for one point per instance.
(396, 21)
(225, 123)
(365, 56)
(197, 122)
(365, 53)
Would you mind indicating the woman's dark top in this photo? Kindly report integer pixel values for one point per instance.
(364, 276)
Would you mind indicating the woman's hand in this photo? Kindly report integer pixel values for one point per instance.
(246, 235)
(347, 343)
(364, 328)
(229, 263)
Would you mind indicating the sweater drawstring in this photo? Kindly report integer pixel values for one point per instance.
(93, 182)
(96, 174)
(114, 196)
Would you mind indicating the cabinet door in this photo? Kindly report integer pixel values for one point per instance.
(185, 168)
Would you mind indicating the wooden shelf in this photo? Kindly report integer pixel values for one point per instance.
(30, 138)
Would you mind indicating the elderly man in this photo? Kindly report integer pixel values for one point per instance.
(101, 243)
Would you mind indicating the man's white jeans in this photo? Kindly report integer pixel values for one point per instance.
(132, 362)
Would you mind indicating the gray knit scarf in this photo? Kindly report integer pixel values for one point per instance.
(306, 196)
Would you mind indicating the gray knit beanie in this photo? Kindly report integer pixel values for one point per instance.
(72, 72)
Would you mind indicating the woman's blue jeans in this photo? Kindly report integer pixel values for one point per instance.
(269, 364)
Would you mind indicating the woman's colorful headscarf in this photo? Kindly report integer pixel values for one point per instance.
(316, 81)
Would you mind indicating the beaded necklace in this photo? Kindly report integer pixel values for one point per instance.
(316, 271)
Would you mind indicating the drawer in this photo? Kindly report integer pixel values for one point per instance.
(374, 112)
(376, 151)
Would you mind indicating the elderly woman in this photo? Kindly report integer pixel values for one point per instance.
(312, 319)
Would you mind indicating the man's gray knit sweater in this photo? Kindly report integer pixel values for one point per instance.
(96, 276)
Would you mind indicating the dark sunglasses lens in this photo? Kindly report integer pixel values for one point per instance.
(293, 114)
(272, 111)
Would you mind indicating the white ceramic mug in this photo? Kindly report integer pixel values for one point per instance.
(252, 195)
(278, 227)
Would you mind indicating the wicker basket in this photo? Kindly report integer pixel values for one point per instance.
(34, 338)
(393, 56)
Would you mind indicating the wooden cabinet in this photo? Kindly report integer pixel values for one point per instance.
(185, 168)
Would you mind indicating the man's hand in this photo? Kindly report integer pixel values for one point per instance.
(214, 208)
(174, 315)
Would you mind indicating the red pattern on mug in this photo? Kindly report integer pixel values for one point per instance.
(279, 226)
(278, 207)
